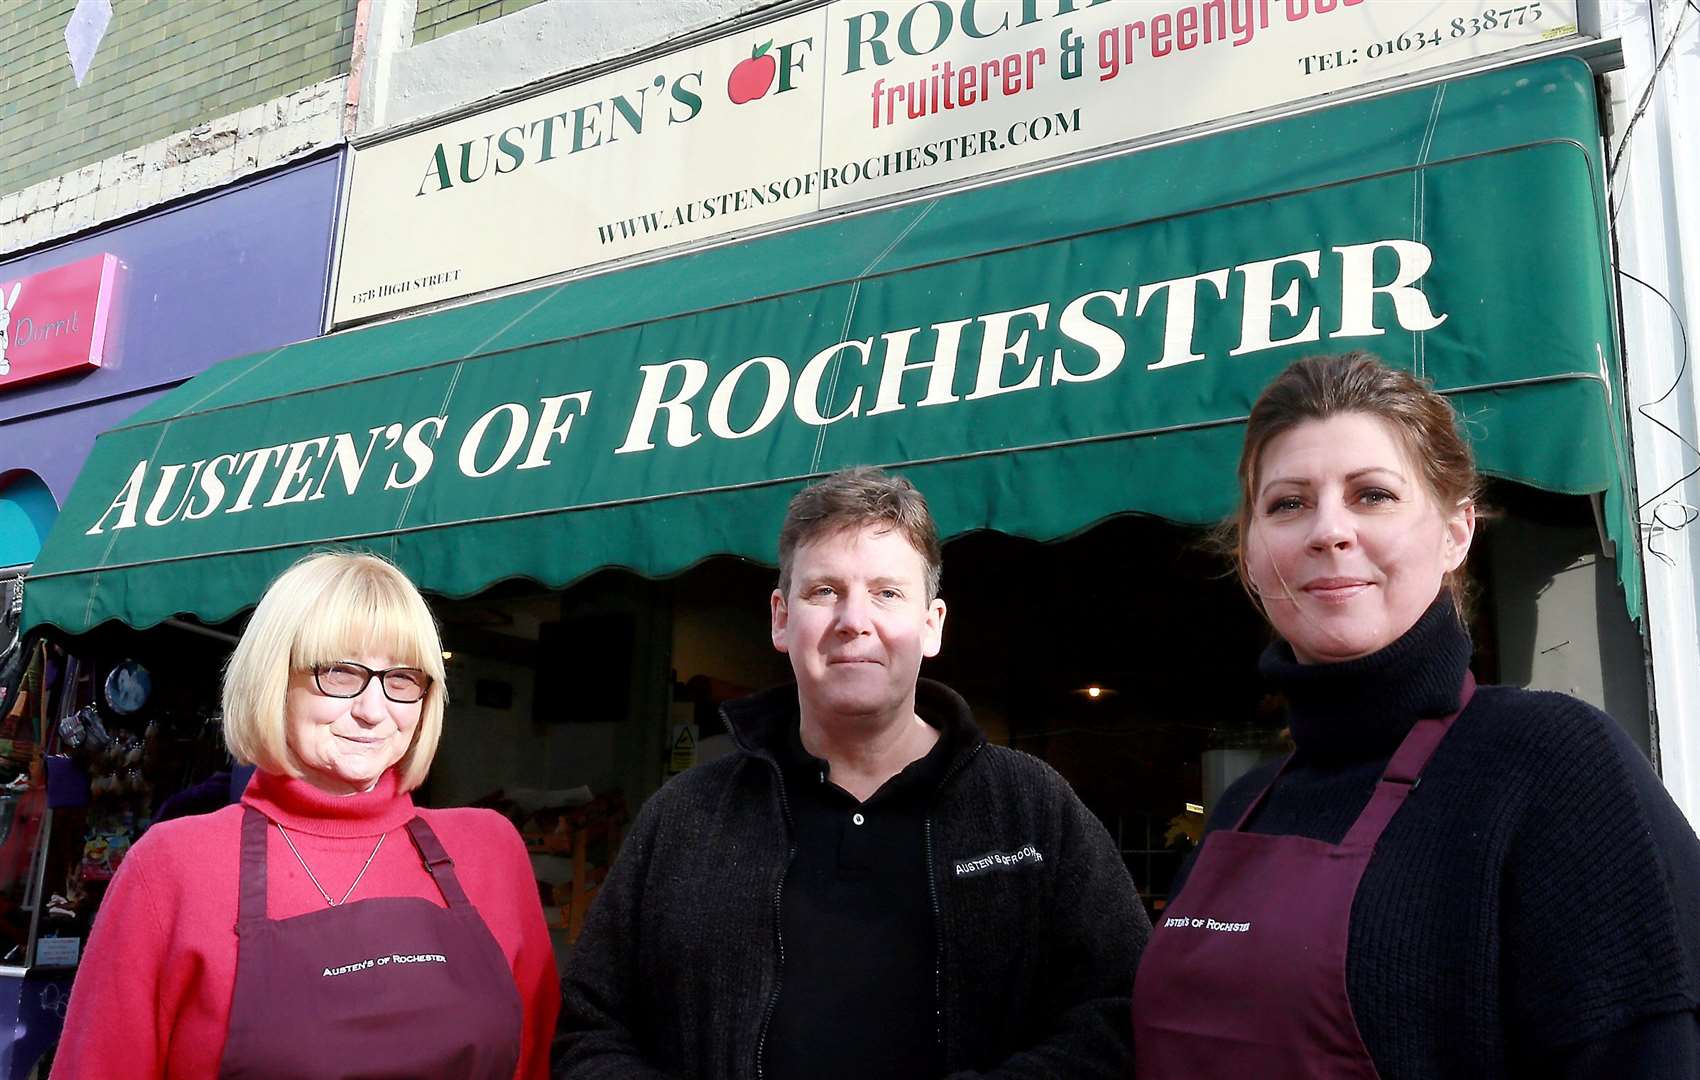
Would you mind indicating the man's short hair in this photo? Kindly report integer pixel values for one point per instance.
(852, 499)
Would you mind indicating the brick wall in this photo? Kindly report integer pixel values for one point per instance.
(434, 18)
(164, 66)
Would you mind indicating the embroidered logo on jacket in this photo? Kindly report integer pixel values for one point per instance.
(999, 860)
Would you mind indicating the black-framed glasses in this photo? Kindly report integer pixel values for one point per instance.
(346, 679)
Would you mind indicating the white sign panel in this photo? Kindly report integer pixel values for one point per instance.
(58, 951)
(853, 101)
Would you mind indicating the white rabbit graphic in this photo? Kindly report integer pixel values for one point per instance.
(6, 303)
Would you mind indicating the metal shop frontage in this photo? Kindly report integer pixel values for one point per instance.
(588, 477)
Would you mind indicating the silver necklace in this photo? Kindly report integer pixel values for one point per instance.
(315, 881)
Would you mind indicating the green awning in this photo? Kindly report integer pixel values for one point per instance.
(1024, 351)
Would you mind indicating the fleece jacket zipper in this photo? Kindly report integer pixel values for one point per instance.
(778, 919)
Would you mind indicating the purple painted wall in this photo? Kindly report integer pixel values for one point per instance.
(241, 270)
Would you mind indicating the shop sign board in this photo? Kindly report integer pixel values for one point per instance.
(54, 322)
(852, 102)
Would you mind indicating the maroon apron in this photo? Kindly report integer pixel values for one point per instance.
(1245, 975)
(392, 987)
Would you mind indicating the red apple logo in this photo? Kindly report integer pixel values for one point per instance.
(752, 77)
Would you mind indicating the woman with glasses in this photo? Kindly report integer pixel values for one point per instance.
(325, 926)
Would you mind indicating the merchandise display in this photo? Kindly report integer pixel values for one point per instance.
(128, 735)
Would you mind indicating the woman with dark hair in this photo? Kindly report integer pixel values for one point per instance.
(1442, 880)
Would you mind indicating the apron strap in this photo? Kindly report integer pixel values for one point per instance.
(1262, 796)
(251, 900)
(1413, 754)
(1404, 771)
(437, 862)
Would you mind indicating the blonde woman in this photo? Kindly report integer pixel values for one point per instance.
(325, 926)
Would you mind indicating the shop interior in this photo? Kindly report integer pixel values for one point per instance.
(1125, 656)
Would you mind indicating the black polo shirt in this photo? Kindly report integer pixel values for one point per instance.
(857, 997)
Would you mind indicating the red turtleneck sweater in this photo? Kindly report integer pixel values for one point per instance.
(152, 997)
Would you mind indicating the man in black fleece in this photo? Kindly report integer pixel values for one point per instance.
(868, 888)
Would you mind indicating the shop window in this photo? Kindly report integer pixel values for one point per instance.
(96, 744)
(555, 717)
(23, 797)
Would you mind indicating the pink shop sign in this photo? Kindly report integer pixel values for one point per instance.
(56, 322)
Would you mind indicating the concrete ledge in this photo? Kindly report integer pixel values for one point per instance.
(202, 158)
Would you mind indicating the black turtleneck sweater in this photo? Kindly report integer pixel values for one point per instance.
(1534, 908)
